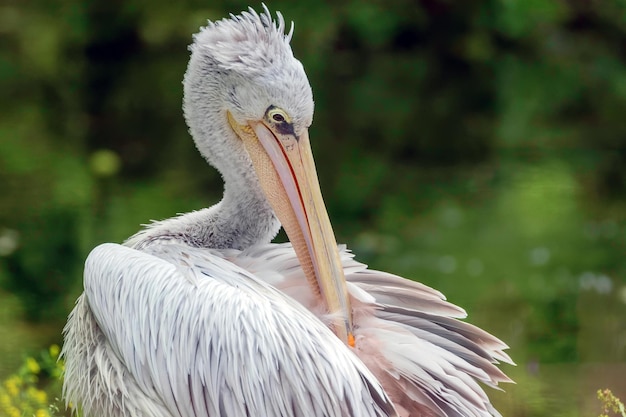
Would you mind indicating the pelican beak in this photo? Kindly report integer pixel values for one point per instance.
(284, 165)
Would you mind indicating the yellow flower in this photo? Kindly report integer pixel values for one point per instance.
(12, 384)
(54, 351)
(32, 365)
(42, 413)
(37, 395)
(5, 401)
(14, 412)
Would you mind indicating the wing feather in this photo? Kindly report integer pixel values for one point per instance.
(408, 335)
(199, 336)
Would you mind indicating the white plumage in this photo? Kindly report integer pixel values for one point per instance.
(200, 316)
(180, 331)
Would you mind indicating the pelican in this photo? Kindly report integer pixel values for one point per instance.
(200, 315)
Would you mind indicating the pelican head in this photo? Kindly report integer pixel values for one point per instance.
(248, 104)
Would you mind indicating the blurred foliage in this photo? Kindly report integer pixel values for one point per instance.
(478, 146)
(25, 393)
(610, 403)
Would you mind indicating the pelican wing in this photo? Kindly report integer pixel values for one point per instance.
(407, 334)
(188, 332)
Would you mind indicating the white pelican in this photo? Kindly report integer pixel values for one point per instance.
(200, 315)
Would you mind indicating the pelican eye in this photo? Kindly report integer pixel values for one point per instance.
(277, 115)
(279, 121)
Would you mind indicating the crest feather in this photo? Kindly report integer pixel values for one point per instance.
(249, 42)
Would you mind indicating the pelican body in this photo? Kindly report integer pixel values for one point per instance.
(201, 316)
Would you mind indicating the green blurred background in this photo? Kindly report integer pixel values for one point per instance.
(476, 146)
